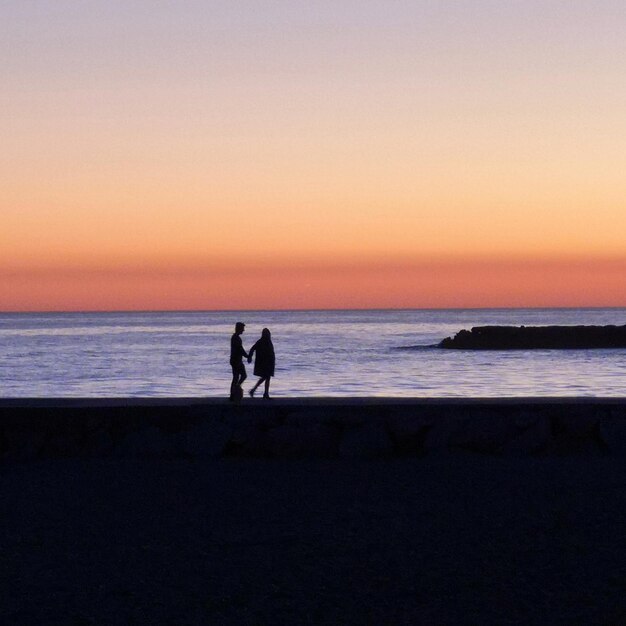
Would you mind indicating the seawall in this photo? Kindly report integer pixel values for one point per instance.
(371, 428)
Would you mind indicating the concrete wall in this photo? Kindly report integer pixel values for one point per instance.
(310, 428)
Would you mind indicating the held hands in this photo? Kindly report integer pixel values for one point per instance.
(249, 359)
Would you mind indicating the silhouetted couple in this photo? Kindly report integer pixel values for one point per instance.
(263, 364)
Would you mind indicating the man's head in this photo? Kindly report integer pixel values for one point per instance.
(239, 327)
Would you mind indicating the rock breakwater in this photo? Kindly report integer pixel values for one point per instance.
(537, 337)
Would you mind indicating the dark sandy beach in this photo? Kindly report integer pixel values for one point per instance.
(345, 511)
(436, 541)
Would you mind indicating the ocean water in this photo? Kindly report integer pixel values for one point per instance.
(319, 353)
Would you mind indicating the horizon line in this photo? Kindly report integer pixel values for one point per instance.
(321, 310)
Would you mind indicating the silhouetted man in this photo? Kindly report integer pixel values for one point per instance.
(237, 353)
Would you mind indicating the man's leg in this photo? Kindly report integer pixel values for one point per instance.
(239, 375)
(233, 384)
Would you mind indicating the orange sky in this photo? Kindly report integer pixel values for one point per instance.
(163, 157)
(433, 284)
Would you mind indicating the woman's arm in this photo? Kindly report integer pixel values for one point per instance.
(251, 352)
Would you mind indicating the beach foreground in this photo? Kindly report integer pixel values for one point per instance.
(214, 541)
(359, 511)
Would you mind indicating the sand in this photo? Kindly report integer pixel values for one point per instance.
(406, 541)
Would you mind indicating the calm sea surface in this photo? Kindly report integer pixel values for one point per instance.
(319, 353)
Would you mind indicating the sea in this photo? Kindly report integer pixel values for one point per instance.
(318, 353)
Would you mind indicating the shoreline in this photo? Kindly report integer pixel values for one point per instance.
(299, 428)
(286, 401)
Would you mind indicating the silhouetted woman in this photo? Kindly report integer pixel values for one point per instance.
(264, 362)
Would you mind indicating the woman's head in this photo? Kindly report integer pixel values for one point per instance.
(265, 333)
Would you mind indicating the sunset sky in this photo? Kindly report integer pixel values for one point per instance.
(256, 154)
